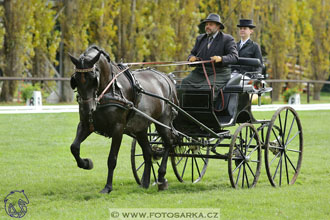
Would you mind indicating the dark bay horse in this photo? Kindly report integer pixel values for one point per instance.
(112, 116)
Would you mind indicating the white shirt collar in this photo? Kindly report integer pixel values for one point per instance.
(214, 35)
(243, 42)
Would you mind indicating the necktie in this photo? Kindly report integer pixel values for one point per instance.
(210, 39)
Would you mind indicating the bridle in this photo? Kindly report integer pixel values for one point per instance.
(81, 100)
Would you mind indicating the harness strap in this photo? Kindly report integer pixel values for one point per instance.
(110, 83)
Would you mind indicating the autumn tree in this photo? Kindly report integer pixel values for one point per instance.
(74, 25)
(17, 43)
(320, 43)
(45, 39)
(102, 29)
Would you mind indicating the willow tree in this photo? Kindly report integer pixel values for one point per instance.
(74, 25)
(320, 43)
(17, 43)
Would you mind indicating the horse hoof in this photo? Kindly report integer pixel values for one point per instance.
(89, 164)
(105, 191)
(162, 185)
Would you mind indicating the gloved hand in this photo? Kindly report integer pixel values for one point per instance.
(217, 59)
(192, 59)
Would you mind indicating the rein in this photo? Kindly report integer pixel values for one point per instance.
(169, 63)
(165, 63)
(110, 83)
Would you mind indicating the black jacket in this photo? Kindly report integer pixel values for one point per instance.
(250, 50)
(223, 45)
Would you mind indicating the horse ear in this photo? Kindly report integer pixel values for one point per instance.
(73, 59)
(95, 59)
(73, 83)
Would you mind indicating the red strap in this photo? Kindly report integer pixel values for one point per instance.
(110, 83)
(169, 63)
(206, 76)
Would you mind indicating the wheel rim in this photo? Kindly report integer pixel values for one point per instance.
(284, 147)
(189, 168)
(137, 160)
(244, 157)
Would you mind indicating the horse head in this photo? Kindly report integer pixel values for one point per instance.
(86, 80)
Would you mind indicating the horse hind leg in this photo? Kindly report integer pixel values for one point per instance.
(143, 141)
(82, 134)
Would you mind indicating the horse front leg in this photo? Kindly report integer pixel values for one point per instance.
(143, 141)
(112, 159)
(168, 139)
(82, 133)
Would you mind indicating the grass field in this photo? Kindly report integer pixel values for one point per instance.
(35, 156)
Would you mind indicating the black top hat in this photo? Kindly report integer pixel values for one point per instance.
(246, 23)
(214, 18)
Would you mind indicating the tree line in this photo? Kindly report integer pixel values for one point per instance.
(36, 35)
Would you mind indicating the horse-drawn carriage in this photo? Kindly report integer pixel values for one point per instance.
(205, 124)
(114, 101)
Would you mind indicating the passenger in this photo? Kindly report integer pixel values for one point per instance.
(213, 45)
(247, 47)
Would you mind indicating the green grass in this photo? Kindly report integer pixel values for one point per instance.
(324, 98)
(35, 156)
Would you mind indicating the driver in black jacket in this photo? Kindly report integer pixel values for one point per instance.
(213, 45)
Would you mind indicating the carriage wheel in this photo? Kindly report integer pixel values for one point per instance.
(283, 147)
(244, 157)
(191, 167)
(137, 160)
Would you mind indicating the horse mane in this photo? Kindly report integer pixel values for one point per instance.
(97, 48)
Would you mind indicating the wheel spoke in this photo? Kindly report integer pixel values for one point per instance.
(248, 145)
(254, 149)
(250, 170)
(291, 163)
(280, 161)
(275, 147)
(280, 183)
(239, 165)
(179, 161)
(243, 176)
(239, 172)
(286, 167)
(280, 121)
(296, 151)
(246, 176)
(293, 120)
(140, 166)
(276, 137)
(274, 158)
(138, 155)
(246, 136)
(197, 167)
(184, 167)
(202, 157)
(286, 118)
(192, 169)
(298, 132)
